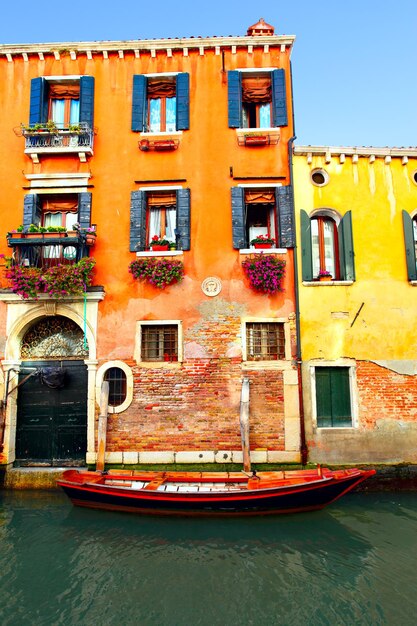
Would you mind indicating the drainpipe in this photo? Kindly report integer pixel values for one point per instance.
(303, 443)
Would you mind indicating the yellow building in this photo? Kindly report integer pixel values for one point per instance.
(356, 213)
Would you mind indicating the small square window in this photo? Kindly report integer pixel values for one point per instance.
(159, 342)
(265, 341)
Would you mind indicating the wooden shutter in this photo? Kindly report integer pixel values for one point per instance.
(279, 98)
(183, 218)
(238, 218)
(410, 246)
(346, 253)
(38, 111)
(234, 89)
(87, 100)
(306, 251)
(137, 221)
(139, 104)
(285, 204)
(183, 101)
(32, 209)
(84, 209)
(333, 397)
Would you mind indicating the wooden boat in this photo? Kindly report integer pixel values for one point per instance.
(210, 493)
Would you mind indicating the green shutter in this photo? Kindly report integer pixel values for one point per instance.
(238, 218)
(285, 204)
(183, 219)
(234, 90)
(306, 251)
(183, 101)
(139, 103)
(137, 221)
(87, 100)
(346, 254)
(38, 111)
(410, 246)
(279, 98)
(333, 397)
(32, 210)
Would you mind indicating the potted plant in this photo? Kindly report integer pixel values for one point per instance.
(159, 244)
(324, 276)
(33, 231)
(16, 234)
(262, 241)
(265, 273)
(157, 272)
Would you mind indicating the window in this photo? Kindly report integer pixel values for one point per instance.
(64, 100)
(265, 341)
(159, 342)
(410, 239)
(117, 380)
(333, 397)
(59, 210)
(319, 178)
(160, 103)
(160, 211)
(262, 211)
(257, 99)
(327, 245)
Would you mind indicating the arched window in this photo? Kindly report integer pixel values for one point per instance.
(120, 379)
(324, 246)
(117, 380)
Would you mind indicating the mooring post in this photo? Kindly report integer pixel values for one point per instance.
(102, 425)
(244, 424)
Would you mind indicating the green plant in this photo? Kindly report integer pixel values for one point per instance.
(263, 239)
(265, 273)
(74, 128)
(158, 272)
(20, 228)
(33, 229)
(55, 229)
(57, 281)
(156, 241)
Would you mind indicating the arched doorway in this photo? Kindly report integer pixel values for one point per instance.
(51, 427)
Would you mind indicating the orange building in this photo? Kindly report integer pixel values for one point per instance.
(121, 146)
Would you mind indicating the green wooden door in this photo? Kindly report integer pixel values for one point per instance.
(333, 397)
(52, 423)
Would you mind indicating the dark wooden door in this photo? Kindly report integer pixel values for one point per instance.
(52, 423)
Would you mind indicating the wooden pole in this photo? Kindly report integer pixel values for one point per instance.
(102, 425)
(244, 424)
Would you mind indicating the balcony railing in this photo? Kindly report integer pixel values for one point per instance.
(46, 251)
(42, 138)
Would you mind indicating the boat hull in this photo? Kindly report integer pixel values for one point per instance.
(259, 501)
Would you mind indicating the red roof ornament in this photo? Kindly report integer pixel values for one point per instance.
(261, 28)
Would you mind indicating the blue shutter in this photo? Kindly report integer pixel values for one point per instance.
(183, 101)
(346, 254)
(183, 219)
(238, 218)
(87, 100)
(38, 112)
(306, 251)
(279, 98)
(139, 107)
(84, 209)
(410, 246)
(285, 204)
(32, 210)
(234, 89)
(137, 221)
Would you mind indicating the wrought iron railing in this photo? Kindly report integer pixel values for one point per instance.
(42, 251)
(72, 137)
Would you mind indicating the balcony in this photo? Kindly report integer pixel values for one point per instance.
(48, 139)
(46, 250)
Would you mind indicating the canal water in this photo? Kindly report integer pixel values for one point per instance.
(354, 563)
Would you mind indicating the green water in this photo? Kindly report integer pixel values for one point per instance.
(354, 563)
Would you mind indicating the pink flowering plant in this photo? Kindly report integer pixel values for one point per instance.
(265, 273)
(323, 273)
(158, 272)
(262, 239)
(57, 281)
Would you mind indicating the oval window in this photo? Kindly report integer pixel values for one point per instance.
(117, 380)
(414, 177)
(319, 177)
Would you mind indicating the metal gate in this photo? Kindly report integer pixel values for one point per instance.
(52, 423)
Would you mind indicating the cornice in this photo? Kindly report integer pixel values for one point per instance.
(359, 151)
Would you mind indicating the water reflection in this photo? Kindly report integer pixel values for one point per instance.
(350, 564)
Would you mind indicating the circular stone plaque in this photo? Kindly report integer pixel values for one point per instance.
(211, 286)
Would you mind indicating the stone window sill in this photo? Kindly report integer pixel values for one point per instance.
(327, 283)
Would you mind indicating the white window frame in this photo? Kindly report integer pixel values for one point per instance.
(354, 399)
(129, 384)
(266, 320)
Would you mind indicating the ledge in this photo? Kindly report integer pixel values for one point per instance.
(327, 283)
(263, 251)
(148, 253)
(94, 294)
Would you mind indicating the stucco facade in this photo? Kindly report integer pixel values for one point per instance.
(361, 321)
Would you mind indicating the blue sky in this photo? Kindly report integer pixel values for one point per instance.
(353, 62)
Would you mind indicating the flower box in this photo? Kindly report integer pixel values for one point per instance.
(324, 279)
(165, 144)
(263, 245)
(158, 248)
(256, 140)
(16, 235)
(90, 239)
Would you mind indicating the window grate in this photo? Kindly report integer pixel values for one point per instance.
(265, 341)
(159, 343)
(117, 380)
